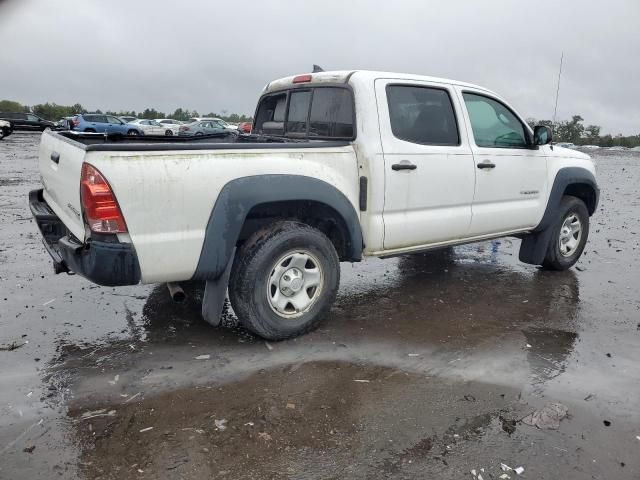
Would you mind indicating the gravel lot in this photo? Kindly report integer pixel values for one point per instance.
(425, 369)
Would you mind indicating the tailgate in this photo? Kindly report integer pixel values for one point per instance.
(60, 169)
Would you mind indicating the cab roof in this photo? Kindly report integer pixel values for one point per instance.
(347, 76)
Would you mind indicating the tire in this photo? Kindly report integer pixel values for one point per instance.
(168, 133)
(199, 134)
(264, 275)
(569, 234)
(89, 130)
(133, 133)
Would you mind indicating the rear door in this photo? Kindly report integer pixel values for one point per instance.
(60, 168)
(115, 125)
(511, 177)
(429, 170)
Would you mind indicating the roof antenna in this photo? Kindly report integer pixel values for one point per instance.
(555, 110)
(317, 68)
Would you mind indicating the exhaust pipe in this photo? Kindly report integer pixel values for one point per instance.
(176, 292)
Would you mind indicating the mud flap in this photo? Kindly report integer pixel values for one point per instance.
(534, 247)
(215, 292)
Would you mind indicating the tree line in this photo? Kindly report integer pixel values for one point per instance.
(54, 112)
(575, 131)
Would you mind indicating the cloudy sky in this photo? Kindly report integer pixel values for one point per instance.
(218, 55)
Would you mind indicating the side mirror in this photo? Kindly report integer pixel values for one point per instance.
(542, 135)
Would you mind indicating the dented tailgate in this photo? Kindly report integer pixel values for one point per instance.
(60, 168)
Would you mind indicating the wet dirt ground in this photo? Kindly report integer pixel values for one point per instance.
(425, 368)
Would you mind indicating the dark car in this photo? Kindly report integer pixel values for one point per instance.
(26, 121)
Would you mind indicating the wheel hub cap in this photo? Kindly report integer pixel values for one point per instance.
(295, 284)
(291, 281)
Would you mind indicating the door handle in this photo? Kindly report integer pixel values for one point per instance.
(404, 165)
(55, 157)
(486, 164)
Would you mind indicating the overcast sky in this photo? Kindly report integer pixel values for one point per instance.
(218, 55)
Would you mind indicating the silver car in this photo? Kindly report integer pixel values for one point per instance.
(203, 127)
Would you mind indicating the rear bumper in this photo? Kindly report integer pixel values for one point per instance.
(104, 261)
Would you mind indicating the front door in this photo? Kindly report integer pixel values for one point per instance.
(511, 177)
(429, 169)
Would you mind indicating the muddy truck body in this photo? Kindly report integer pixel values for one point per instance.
(340, 165)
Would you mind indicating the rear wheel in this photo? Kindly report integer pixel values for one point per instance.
(569, 234)
(284, 280)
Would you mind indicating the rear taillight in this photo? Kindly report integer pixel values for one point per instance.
(99, 204)
(184, 129)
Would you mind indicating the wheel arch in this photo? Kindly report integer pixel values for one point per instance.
(576, 181)
(249, 203)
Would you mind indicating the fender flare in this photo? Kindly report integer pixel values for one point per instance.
(534, 245)
(239, 196)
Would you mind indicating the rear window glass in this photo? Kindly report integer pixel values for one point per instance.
(422, 115)
(319, 112)
(298, 111)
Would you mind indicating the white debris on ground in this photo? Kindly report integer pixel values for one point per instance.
(477, 474)
(221, 424)
(203, 357)
(548, 417)
(97, 413)
(146, 429)
(507, 468)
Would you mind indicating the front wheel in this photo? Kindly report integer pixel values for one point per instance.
(133, 132)
(168, 133)
(568, 234)
(284, 280)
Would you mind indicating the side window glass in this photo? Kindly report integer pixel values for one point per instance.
(32, 118)
(493, 124)
(422, 115)
(298, 112)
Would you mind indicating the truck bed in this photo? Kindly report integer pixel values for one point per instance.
(218, 141)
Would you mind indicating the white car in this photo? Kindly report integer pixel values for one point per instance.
(151, 127)
(220, 121)
(174, 125)
(5, 129)
(357, 164)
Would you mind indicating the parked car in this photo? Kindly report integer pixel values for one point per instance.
(635, 149)
(590, 147)
(432, 163)
(65, 123)
(151, 127)
(99, 123)
(214, 119)
(168, 121)
(245, 127)
(6, 129)
(26, 121)
(566, 145)
(203, 127)
(617, 148)
(171, 123)
(127, 118)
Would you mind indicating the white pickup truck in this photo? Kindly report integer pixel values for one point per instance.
(340, 165)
